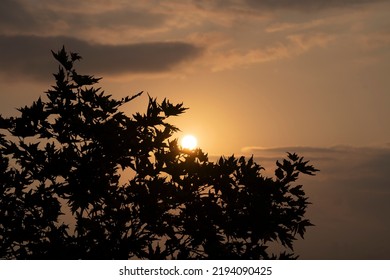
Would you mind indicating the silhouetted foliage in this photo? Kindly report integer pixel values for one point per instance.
(63, 195)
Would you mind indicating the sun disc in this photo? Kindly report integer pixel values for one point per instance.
(189, 142)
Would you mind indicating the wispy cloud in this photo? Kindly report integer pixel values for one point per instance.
(286, 26)
(293, 45)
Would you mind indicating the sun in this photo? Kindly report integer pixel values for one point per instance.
(189, 142)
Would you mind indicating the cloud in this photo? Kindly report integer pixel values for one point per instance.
(293, 45)
(243, 22)
(59, 17)
(14, 16)
(30, 56)
(338, 161)
(293, 149)
(270, 8)
(350, 197)
(305, 5)
(375, 40)
(137, 19)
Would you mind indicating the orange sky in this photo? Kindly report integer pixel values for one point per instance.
(254, 72)
(258, 76)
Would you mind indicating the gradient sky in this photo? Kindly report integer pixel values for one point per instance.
(259, 77)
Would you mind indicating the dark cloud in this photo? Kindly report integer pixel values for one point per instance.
(14, 16)
(350, 197)
(305, 5)
(30, 56)
(292, 149)
(20, 17)
(264, 6)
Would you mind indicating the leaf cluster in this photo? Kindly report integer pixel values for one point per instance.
(82, 180)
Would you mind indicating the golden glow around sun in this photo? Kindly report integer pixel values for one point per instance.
(189, 142)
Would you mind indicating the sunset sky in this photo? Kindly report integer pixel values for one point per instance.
(260, 77)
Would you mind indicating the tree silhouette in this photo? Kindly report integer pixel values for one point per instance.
(63, 195)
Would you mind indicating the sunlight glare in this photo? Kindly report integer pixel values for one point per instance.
(189, 142)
